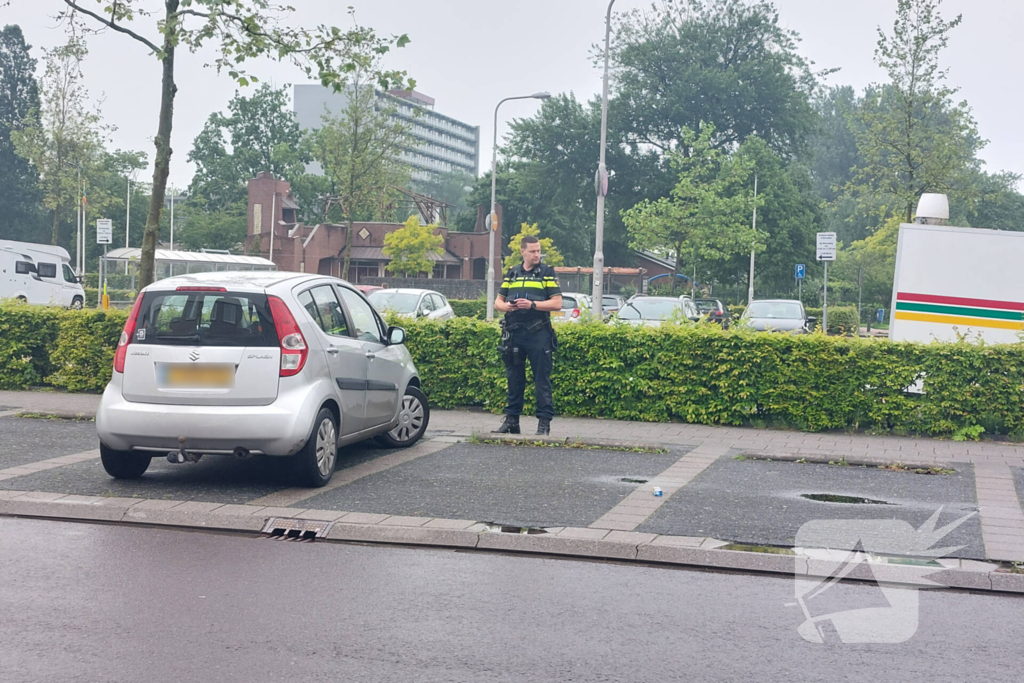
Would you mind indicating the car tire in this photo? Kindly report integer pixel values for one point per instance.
(77, 303)
(124, 464)
(413, 418)
(315, 462)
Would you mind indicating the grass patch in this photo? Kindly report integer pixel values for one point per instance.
(53, 416)
(900, 467)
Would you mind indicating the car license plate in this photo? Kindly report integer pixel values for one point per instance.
(205, 376)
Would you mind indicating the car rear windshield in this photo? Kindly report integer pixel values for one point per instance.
(707, 306)
(196, 318)
(652, 309)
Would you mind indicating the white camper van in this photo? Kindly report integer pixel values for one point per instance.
(38, 274)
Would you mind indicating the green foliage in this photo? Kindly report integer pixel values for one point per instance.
(19, 106)
(701, 374)
(91, 296)
(73, 350)
(693, 373)
(469, 308)
(409, 247)
(547, 247)
(706, 216)
(222, 228)
(26, 335)
(912, 136)
(259, 133)
(82, 356)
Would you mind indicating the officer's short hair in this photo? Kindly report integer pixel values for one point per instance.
(528, 239)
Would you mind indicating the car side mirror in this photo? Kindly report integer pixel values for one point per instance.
(396, 335)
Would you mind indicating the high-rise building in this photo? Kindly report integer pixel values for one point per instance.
(440, 145)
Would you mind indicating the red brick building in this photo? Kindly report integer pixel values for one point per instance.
(275, 233)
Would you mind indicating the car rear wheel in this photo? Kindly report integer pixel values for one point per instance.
(124, 464)
(315, 463)
(413, 418)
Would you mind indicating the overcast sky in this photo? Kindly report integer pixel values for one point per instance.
(468, 54)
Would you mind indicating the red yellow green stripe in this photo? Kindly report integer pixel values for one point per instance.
(959, 320)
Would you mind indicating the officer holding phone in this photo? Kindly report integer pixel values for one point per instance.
(527, 296)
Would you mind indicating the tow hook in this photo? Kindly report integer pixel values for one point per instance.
(181, 455)
(242, 453)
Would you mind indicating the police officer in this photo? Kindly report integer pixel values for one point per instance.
(528, 295)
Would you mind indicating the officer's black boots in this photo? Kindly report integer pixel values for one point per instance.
(510, 425)
(543, 426)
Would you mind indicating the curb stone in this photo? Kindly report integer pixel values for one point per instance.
(646, 548)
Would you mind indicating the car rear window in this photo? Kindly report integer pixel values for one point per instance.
(568, 303)
(196, 318)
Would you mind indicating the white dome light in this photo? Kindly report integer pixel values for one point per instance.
(932, 209)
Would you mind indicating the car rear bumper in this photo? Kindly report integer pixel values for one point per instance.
(280, 428)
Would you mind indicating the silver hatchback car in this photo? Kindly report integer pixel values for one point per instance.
(256, 363)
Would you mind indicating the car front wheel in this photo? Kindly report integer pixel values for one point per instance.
(124, 464)
(413, 418)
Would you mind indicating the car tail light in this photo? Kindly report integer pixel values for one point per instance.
(575, 313)
(293, 344)
(126, 335)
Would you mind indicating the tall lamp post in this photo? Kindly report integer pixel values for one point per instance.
(492, 274)
(601, 180)
(750, 282)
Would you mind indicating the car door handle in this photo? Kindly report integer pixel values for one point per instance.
(371, 355)
(332, 350)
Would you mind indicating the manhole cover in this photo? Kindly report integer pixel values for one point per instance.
(846, 500)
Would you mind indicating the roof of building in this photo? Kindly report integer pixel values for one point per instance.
(134, 254)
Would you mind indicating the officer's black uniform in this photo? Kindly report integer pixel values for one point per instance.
(528, 335)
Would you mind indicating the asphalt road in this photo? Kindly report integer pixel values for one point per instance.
(761, 502)
(110, 603)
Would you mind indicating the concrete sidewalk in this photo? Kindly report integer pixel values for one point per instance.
(1002, 520)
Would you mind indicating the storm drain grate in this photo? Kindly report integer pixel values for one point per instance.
(288, 529)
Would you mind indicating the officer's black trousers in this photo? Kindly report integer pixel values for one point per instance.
(537, 348)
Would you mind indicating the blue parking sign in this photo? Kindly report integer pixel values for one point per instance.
(799, 271)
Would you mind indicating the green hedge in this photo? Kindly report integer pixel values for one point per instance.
(701, 374)
(72, 350)
(691, 373)
(469, 308)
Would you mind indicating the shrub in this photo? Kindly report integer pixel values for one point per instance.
(27, 334)
(469, 308)
(82, 356)
(114, 294)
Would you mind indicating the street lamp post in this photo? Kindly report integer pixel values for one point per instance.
(492, 274)
(750, 282)
(601, 181)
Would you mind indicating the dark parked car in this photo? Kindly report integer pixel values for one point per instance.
(715, 310)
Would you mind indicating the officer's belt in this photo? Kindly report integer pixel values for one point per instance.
(531, 326)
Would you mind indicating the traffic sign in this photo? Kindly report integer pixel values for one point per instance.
(104, 231)
(826, 250)
(800, 271)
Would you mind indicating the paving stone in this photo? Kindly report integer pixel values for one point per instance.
(578, 532)
(629, 537)
(677, 541)
(380, 533)
(1004, 581)
(156, 504)
(557, 545)
(238, 510)
(41, 495)
(457, 524)
(321, 515)
(363, 518)
(400, 520)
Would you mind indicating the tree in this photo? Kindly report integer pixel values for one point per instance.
(240, 30)
(913, 137)
(360, 152)
(258, 134)
(704, 218)
(685, 62)
(547, 248)
(63, 140)
(19, 102)
(218, 229)
(409, 247)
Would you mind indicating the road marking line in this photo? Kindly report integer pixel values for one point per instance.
(48, 464)
(641, 503)
(292, 496)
